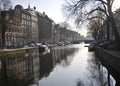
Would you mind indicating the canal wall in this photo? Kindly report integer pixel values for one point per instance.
(19, 65)
(16, 52)
(111, 60)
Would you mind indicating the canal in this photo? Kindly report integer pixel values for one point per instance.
(70, 65)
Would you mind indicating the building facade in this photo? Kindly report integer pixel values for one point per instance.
(45, 28)
(28, 25)
(14, 29)
(19, 27)
(34, 24)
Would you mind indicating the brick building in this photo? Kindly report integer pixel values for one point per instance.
(18, 32)
(45, 27)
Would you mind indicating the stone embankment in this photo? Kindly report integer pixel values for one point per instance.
(4, 53)
(111, 60)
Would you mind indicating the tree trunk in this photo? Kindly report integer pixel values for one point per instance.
(3, 27)
(108, 32)
(114, 27)
(3, 36)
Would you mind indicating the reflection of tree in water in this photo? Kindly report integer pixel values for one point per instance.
(57, 56)
(80, 83)
(98, 74)
(64, 56)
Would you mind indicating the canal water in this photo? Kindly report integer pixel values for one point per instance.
(70, 65)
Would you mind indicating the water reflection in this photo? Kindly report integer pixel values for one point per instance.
(64, 56)
(18, 71)
(64, 66)
(29, 68)
(76, 67)
(55, 57)
(99, 75)
(46, 65)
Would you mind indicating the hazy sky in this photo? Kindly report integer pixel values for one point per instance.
(116, 4)
(53, 8)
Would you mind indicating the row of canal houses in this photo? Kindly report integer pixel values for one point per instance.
(28, 25)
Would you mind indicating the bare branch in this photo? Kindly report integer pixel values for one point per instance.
(5, 4)
(97, 17)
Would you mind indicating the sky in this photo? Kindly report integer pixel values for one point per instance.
(52, 8)
(116, 4)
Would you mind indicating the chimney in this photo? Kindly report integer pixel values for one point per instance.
(28, 5)
(43, 13)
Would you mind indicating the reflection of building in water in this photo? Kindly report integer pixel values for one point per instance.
(23, 68)
(46, 65)
(32, 67)
(29, 67)
(57, 56)
(36, 65)
(62, 55)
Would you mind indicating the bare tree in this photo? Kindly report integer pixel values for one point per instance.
(4, 5)
(95, 29)
(65, 25)
(83, 10)
(3, 28)
(98, 23)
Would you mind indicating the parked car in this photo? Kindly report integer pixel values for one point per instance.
(31, 45)
(61, 43)
(92, 45)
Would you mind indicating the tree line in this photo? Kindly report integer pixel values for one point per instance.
(95, 13)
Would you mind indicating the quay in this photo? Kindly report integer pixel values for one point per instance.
(19, 51)
(111, 60)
